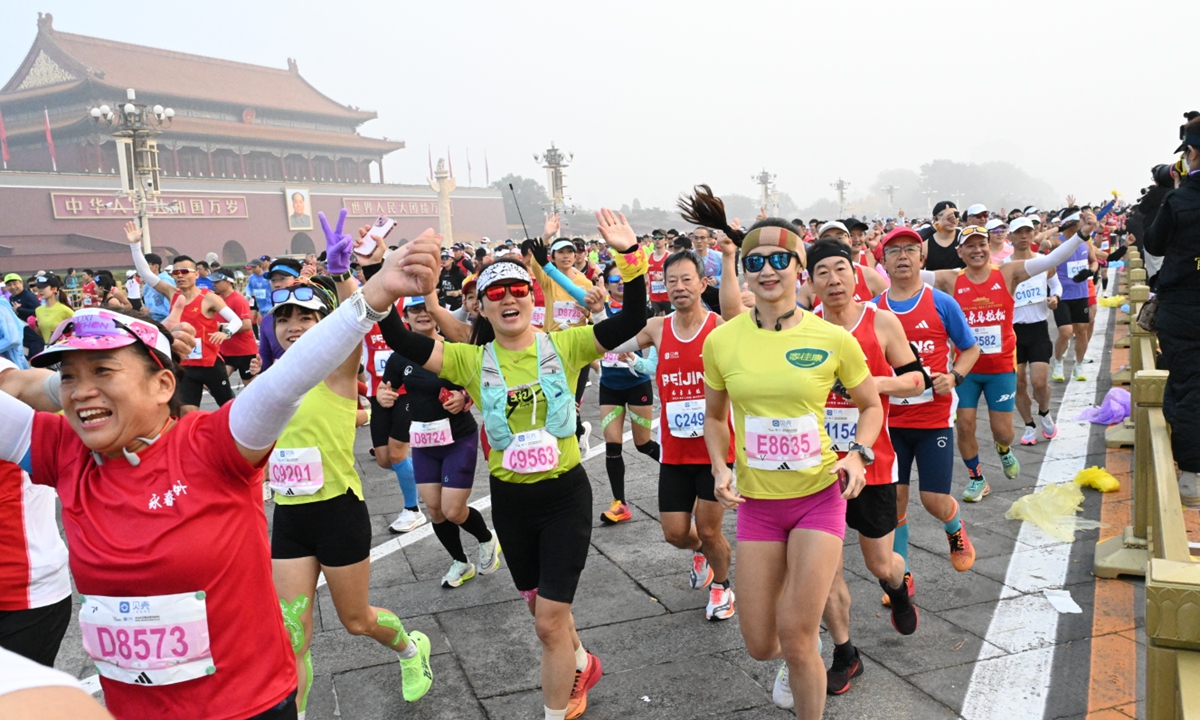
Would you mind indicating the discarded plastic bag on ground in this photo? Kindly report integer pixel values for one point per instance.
(1053, 509)
(1098, 478)
(1114, 301)
(1114, 409)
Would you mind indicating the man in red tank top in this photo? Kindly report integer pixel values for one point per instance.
(685, 480)
(872, 513)
(203, 310)
(658, 285)
(868, 282)
(985, 293)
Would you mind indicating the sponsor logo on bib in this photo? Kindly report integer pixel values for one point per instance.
(807, 358)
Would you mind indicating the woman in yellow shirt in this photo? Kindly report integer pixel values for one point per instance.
(56, 305)
(776, 364)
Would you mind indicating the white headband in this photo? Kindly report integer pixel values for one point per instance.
(496, 272)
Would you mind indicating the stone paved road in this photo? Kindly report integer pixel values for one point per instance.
(662, 659)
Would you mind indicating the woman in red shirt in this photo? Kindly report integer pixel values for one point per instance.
(163, 514)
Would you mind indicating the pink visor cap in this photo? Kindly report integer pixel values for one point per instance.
(100, 329)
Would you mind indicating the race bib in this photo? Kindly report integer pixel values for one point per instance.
(988, 338)
(1074, 267)
(782, 443)
(658, 287)
(296, 471)
(155, 640)
(260, 294)
(532, 451)
(613, 360)
(539, 316)
(567, 313)
(841, 425)
(381, 360)
(1030, 292)
(685, 418)
(197, 352)
(430, 434)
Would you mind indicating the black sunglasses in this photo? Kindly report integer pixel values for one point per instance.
(778, 260)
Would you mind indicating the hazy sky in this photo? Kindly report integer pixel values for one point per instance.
(653, 97)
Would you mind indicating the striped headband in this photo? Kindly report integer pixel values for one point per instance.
(500, 271)
(770, 235)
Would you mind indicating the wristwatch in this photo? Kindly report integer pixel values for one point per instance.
(958, 378)
(867, 454)
(341, 277)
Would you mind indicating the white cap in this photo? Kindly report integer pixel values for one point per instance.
(130, 273)
(1072, 218)
(1031, 211)
(995, 223)
(832, 225)
(1019, 223)
(976, 209)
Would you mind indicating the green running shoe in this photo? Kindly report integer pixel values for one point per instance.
(415, 672)
(1057, 375)
(1012, 466)
(1079, 374)
(977, 489)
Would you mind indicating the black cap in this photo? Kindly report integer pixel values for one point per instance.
(853, 222)
(47, 280)
(218, 276)
(682, 243)
(943, 205)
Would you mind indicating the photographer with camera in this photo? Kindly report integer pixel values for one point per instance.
(1175, 235)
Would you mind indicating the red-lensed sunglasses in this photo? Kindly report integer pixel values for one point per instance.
(495, 293)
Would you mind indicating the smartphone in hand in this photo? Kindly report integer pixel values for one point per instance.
(378, 232)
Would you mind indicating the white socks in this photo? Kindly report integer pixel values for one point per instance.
(580, 659)
(555, 714)
(409, 651)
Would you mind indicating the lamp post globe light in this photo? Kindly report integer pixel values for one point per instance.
(134, 127)
(555, 161)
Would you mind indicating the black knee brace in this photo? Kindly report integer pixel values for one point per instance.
(650, 449)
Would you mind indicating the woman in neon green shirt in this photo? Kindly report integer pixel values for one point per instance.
(56, 304)
(524, 384)
(776, 365)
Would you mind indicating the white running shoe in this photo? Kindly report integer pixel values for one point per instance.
(585, 440)
(781, 694)
(266, 492)
(720, 603)
(1189, 489)
(701, 575)
(489, 555)
(408, 521)
(1049, 429)
(459, 573)
(1030, 436)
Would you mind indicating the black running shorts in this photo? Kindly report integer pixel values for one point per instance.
(337, 531)
(680, 485)
(636, 396)
(873, 512)
(1071, 312)
(392, 422)
(1033, 342)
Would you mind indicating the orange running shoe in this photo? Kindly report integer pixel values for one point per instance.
(585, 680)
(617, 512)
(962, 552)
(912, 589)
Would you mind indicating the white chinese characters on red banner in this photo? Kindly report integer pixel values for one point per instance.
(391, 207)
(91, 206)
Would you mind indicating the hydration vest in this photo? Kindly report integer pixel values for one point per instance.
(493, 395)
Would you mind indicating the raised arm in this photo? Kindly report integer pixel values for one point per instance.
(1059, 255)
(731, 296)
(133, 234)
(632, 263)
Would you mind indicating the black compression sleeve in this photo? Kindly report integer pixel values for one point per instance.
(414, 346)
(1117, 254)
(629, 322)
(915, 366)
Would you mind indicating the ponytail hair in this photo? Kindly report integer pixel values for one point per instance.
(707, 210)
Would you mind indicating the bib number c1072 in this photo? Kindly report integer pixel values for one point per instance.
(154, 640)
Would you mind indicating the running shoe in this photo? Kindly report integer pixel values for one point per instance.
(585, 440)
(585, 680)
(459, 573)
(905, 617)
(1057, 374)
(1079, 374)
(617, 512)
(1189, 489)
(266, 492)
(1088, 361)
(912, 589)
(408, 521)
(489, 555)
(781, 694)
(962, 550)
(720, 603)
(1030, 436)
(977, 489)
(416, 674)
(837, 677)
(1012, 466)
(701, 575)
(1049, 429)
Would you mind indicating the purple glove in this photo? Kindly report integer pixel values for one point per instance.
(338, 246)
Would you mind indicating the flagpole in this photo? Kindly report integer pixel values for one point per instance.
(50, 140)
(3, 142)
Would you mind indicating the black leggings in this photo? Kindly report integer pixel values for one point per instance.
(545, 529)
(197, 377)
(37, 633)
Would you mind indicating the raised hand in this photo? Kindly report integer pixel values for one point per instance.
(1070, 201)
(133, 233)
(615, 230)
(411, 271)
(594, 299)
(183, 339)
(762, 213)
(255, 365)
(338, 245)
(550, 229)
(1088, 223)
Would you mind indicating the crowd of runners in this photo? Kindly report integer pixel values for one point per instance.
(793, 371)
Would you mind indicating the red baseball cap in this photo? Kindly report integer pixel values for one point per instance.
(901, 232)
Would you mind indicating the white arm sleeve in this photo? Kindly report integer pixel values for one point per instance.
(630, 345)
(143, 268)
(929, 277)
(1055, 285)
(235, 322)
(1060, 254)
(261, 412)
(16, 428)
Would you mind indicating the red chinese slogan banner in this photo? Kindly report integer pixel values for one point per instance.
(91, 206)
(391, 207)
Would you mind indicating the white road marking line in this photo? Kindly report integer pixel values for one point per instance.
(92, 683)
(1015, 685)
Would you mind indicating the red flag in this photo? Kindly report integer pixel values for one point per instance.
(449, 161)
(3, 142)
(50, 140)
(430, 149)
(487, 175)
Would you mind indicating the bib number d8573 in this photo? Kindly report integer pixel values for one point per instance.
(153, 640)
